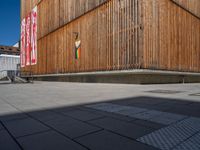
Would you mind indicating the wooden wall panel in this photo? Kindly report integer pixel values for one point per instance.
(192, 6)
(27, 6)
(109, 39)
(71, 9)
(57, 13)
(117, 35)
(48, 12)
(171, 37)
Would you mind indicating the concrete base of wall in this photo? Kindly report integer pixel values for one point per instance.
(127, 77)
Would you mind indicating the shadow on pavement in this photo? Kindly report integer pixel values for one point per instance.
(115, 124)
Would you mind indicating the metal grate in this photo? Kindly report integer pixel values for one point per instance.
(195, 94)
(165, 91)
(140, 113)
(192, 143)
(181, 134)
(131, 112)
(167, 118)
(169, 137)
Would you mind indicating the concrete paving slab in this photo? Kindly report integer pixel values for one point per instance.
(28, 106)
(168, 118)
(185, 110)
(179, 103)
(50, 140)
(1, 127)
(25, 127)
(11, 117)
(6, 142)
(108, 107)
(132, 111)
(147, 115)
(194, 105)
(83, 115)
(144, 106)
(7, 109)
(143, 101)
(105, 140)
(2, 102)
(148, 124)
(45, 115)
(123, 128)
(64, 110)
(72, 128)
(163, 106)
(111, 115)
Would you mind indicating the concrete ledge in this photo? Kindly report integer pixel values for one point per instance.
(134, 71)
(126, 76)
(4, 79)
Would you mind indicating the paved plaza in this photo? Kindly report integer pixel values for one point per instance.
(83, 116)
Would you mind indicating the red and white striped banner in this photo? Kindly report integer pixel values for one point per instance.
(23, 43)
(34, 36)
(28, 39)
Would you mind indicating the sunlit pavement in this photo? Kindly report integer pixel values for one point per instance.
(80, 116)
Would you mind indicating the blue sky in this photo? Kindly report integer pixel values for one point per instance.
(10, 22)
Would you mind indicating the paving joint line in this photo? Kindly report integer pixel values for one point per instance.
(147, 125)
(112, 113)
(12, 136)
(58, 132)
(36, 133)
(1, 125)
(16, 119)
(82, 120)
(132, 139)
(65, 115)
(45, 125)
(101, 129)
(96, 118)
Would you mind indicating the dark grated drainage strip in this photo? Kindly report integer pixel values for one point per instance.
(195, 94)
(165, 92)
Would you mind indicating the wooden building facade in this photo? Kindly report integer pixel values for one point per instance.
(115, 35)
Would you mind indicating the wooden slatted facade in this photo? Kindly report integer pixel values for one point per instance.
(115, 35)
(192, 6)
(171, 37)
